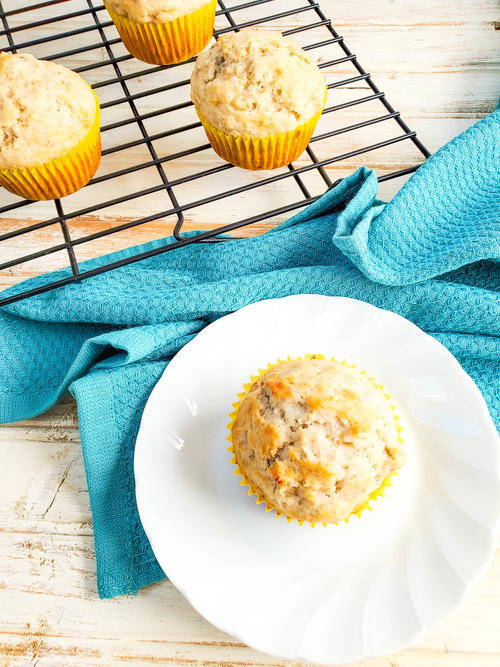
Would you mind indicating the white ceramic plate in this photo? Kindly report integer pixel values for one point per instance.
(335, 594)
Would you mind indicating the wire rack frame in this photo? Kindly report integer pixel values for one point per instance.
(98, 22)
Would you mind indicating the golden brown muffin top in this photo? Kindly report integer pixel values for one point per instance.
(315, 438)
(255, 83)
(45, 110)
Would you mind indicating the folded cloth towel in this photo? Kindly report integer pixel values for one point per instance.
(429, 255)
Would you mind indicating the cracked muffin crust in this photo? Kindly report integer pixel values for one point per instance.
(45, 110)
(254, 83)
(315, 438)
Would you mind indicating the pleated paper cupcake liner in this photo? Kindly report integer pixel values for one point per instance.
(167, 43)
(269, 152)
(62, 175)
(252, 491)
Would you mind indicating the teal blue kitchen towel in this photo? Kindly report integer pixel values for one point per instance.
(430, 255)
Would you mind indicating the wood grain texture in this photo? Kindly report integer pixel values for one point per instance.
(438, 63)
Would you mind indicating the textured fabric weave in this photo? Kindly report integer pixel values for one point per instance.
(429, 255)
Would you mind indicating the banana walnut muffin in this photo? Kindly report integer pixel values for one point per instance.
(314, 438)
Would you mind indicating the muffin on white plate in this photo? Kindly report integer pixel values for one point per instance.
(49, 128)
(259, 97)
(316, 439)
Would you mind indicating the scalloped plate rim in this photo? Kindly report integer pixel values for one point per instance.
(189, 594)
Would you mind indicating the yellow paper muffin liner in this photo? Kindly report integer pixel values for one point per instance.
(270, 152)
(380, 491)
(62, 175)
(167, 43)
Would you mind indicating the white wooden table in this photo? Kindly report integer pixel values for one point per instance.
(438, 62)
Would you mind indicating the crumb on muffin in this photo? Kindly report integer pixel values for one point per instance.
(255, 83)
(154, 11)
(315, 438)
(45, 110)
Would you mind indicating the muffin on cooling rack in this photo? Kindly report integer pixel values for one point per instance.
(49, 128)
(259, 97)
(316, 439)
(163, 32)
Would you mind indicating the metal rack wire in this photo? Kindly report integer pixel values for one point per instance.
(96, 25)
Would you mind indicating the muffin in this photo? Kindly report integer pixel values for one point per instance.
(259, 97)
(49, 128)
(163, 32)
(315, 439)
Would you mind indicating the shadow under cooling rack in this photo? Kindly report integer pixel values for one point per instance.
(156, 158)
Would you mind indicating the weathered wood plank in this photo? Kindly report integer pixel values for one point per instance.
(48, 596)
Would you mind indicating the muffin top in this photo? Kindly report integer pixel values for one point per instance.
(256, 83)
(45, 109)
(154, 11)
(315, 438)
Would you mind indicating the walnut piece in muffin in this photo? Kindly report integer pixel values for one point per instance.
(315, 438)
(255, 83)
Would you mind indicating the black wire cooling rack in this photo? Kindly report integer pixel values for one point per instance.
(88, 35)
